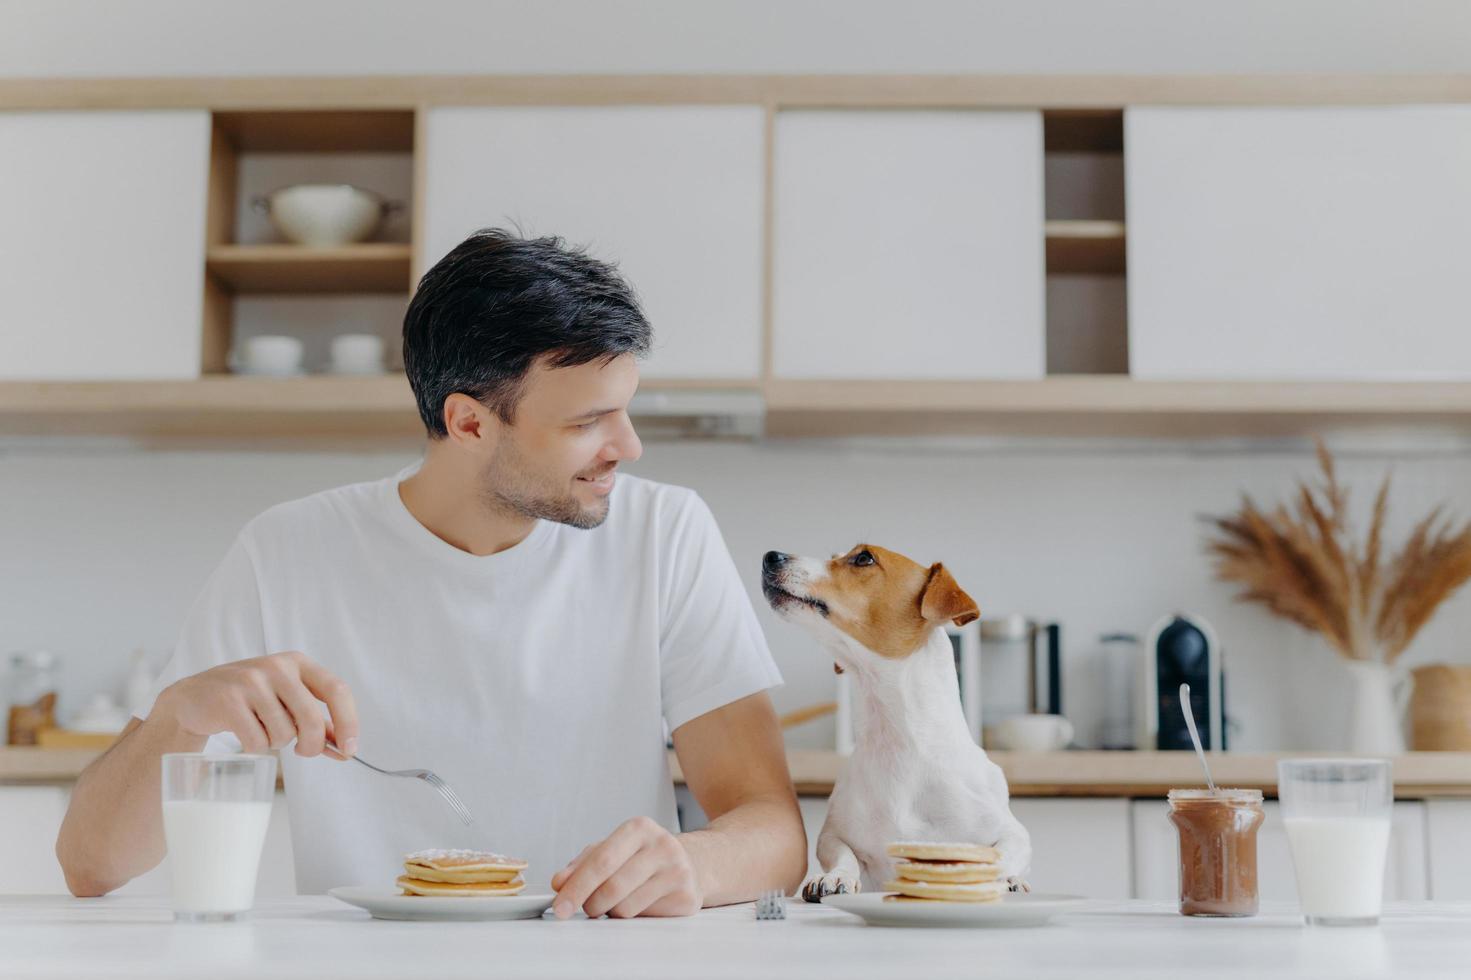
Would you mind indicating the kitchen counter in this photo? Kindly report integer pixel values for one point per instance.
(318, 937)
(1417, 775)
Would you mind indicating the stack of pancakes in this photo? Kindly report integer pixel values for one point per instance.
(945, 872)
(458, 873)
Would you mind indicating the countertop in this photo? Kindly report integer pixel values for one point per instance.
(318, 937)
(1417, 775)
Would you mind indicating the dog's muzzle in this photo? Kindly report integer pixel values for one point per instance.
(773, 584)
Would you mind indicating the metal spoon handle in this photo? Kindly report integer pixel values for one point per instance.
(1194, 734)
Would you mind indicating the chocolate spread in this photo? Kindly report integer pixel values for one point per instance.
(1217, 849)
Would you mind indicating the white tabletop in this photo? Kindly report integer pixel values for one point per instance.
(317, 937)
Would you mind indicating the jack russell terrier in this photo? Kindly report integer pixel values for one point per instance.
(916, 773)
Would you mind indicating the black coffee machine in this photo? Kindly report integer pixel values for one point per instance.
(1182, 649)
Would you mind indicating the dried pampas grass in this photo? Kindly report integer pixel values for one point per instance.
(1304, 564)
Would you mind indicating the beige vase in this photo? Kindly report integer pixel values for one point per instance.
(1440, 709)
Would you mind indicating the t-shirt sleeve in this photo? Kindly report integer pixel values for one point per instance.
(711, 648)
(223, 624)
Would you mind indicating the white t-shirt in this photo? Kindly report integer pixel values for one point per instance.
(537, 682)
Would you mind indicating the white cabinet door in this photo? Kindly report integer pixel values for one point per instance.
(1448, 826)
(1157, 860)
(909, 244)
(672, 194)
(102, 243)
(1299, 242)
(1079, 847)
(30, 816)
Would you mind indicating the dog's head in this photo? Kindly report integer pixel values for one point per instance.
(869, 598)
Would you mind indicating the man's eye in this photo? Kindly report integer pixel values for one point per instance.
(862, 558)
(586, 425)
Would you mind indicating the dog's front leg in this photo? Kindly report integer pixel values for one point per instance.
(841, 872)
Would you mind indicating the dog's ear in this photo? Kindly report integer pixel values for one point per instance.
(944, 599)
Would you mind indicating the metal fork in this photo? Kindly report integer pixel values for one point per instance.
(771, 904)
(450, 797)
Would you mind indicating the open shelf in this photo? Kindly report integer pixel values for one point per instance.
(378, 407)
(365, 268)
(1103, 405)
(1085, 248)
(318, 131)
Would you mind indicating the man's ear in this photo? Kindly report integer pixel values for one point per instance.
(944, 599)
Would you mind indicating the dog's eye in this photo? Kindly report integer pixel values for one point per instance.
(862, 558)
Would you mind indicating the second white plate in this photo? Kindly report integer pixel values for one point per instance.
(390, 903)
(1019, 909)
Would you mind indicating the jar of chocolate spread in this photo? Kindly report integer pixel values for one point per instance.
(1217, 849)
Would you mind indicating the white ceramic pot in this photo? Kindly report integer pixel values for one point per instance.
(1376, 721)
(324, 215)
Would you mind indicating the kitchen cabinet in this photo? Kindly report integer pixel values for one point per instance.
(1448, 830)
(673, 194)
(1079, 847)
(1298, 242)
(908, 245)
(103, 239)
(1157, 867)
(32, 818)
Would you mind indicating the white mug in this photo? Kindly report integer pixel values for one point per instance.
(1034, 733)
(270, 354)
(357, 353)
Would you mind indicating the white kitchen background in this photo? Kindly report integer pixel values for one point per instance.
(103, 545)
(104, 548)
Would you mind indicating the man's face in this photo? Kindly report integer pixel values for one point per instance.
(571, 430)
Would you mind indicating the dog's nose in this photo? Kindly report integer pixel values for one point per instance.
(774, 560)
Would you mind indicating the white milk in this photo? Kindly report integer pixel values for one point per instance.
(214, 850)
(1340, 865)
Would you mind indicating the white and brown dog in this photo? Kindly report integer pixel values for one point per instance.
(916, 773)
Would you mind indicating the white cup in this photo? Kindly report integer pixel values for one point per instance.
(215, 812)
(270, 354)
(357, 353)
(1033, 733)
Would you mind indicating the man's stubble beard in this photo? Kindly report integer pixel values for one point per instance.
(505, 487)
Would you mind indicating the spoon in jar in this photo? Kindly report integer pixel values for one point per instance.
(1195, 735)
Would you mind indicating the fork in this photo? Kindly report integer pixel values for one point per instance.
(771, 905)
(443, 788)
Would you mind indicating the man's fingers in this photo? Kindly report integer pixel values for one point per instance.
(327, 687)
(274, 718)
(561, 876)
(252, 735)
(597, 866)
(311, 727)
(646, 897)
(637, 871)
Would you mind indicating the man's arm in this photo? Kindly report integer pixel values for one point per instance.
(113, 829)
(735, 765)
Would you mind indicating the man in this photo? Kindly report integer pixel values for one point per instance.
(511, 613)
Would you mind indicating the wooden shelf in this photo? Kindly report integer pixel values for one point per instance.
(319, 131)
(365, 268)
(373, 409)
(1103, 405)
(1085, 248)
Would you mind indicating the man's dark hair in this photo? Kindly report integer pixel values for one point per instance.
(496, 303)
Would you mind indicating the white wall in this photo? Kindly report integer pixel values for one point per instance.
(229, 37)
(104, 548)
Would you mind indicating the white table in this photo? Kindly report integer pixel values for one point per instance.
(317, 937)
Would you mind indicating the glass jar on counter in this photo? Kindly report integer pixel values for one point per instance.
(29, 688)
(1218, 872)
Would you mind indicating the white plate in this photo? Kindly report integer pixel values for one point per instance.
(390, 903)
(1019, 909)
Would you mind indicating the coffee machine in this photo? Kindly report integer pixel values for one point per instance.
(1182, 649)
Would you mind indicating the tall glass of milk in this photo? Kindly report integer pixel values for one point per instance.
(215, 812)
(1337, 814)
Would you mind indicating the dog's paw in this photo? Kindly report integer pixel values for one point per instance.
(818, 887)
(1017, 884)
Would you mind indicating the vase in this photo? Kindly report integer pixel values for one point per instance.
(1376, 716)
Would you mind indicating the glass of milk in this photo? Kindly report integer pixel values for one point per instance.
(215, 812)
(1337, 816)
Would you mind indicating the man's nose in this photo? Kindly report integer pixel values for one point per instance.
(774, 560)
